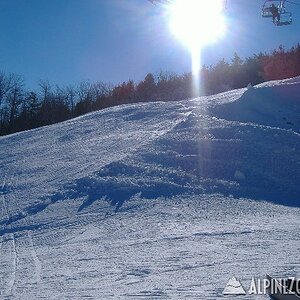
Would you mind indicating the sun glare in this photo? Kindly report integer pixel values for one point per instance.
(197, 23)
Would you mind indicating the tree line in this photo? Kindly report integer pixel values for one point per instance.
(21, 109)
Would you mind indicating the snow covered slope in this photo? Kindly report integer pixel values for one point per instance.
(155, 200)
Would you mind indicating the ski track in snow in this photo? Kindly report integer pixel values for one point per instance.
(16, 250)
(10, 285)
(37, 262)
(177, 234)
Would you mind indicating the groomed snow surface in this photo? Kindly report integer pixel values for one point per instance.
(155, 200)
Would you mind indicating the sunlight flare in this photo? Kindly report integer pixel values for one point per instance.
(197, 23)
(196, 62)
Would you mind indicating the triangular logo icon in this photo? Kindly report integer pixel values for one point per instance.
(234, 287)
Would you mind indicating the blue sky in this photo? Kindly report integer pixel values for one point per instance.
(66, 41)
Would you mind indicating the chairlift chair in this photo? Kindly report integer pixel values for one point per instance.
(266, 8)
(285, 19)
(282, 18)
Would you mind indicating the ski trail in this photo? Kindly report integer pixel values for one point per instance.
(3, 212)
(11, 283)
(9, 290)
(36, 260)
(2, 208)
(15, 254)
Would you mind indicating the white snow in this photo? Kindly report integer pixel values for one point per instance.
(154, 200)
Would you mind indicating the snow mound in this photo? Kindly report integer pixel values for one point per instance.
(275, 104)
(159, 150)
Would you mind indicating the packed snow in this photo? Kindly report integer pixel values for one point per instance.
(163, 200)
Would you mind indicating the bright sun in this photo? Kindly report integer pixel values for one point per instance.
(197, 22)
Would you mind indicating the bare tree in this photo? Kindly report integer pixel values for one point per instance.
(7, 82)
(15, 97)
(46, 89)
(84, 90)
(71, 96)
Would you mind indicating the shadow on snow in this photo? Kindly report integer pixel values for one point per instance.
(202, 155)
